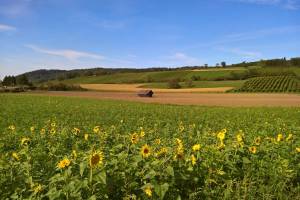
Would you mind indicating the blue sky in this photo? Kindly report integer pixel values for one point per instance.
(68, 34)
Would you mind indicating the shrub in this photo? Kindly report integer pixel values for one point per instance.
(61, 87)
(174, 84)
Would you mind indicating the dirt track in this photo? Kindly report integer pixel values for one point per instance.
(217, 99)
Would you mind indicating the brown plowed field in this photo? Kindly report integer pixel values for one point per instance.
(137, 87)
(205, 99)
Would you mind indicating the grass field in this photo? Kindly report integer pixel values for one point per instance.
(69, 148)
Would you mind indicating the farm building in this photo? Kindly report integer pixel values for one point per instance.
(145, 93)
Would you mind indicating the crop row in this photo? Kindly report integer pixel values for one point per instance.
(271, 84)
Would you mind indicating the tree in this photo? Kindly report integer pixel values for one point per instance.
(295, 61)
(223, 64)
(217, 65)
(206, 65)
(9, 81)
(22, 80)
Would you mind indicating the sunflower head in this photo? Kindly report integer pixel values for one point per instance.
(76, 131)
(148, 191)
(37, 188)
(142, 133)
(279, 137)
(163, 151)
(12, 127)
(257, 141)
(252, 149)
(63, 163)
(96, 159)
(221, 134)
(157, 141)
(86, 137)
(52, 131)
(196, 147)
(25, 141)
(134, 138)
(53, 124)
(15, 156)
(239, 138)
(145, 151)
(193, 159)
(43, 131)
(96, 129)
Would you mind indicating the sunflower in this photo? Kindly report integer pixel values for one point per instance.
(64, 163)
(161, 152)
(142, 133)
(43, 131)
(38, 188)
(179, 153)
(134, 138)
(252, 150)
(25, 141)
(221, 134)
(196, 147)
(239, 138)
(257, 141)
(279, 137)
(193, 159)
(181, 127)
(290, 137)
(298, 149)
(145, 151)
(12, 127)
(96, 129)
(86, 137)
(15, 156)
(157, 141)
(148, 191)
(96, 159)
(53, 124)
(52, 131)
(76, 131)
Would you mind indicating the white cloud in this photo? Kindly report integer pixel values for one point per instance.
(239, 52)
(4, 27)
(66, 53)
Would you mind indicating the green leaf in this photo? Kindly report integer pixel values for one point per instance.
(93, 197)
(246, 160)
(170, 171)
(161, 190)
(82, 167)
(102, 176)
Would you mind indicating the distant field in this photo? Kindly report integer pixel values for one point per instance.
(198, 84)
(162, 76)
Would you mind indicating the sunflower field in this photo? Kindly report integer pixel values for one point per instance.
(72, 148)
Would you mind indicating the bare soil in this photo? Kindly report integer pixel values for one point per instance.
(137, 87)
(205, 99)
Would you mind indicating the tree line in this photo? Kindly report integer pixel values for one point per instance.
(14, 81)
